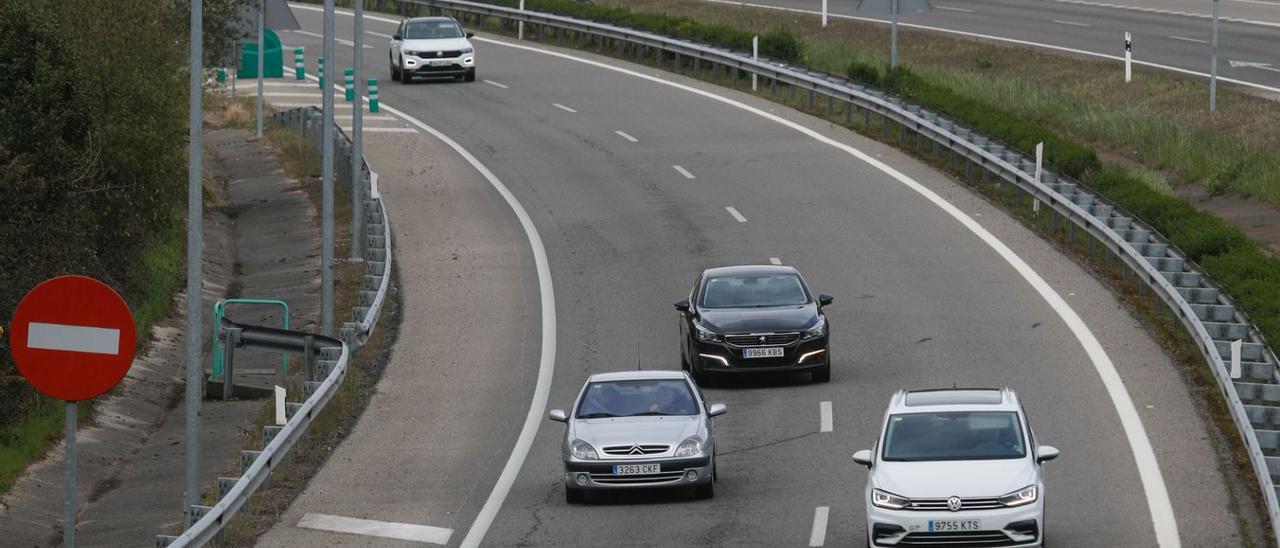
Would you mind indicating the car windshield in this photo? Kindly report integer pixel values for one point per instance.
(958, 435)
(427, 30)
(637, 398)
(753, 291)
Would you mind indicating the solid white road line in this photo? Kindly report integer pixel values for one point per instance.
(296, 105)
(626, 136)
(1022, 42)
(775, 261)
(818, 536)
(547, 359)
(564, 108)
(368, 129)
(293, 84)
(492, 83)
(824, 417)
(1163, 520)
(1071, 23)
(1185, 39)
(684, 172)
(948, 8)
(1168, 12)
(372, 528)
(73, 338)
(735, 214)
(270, 93)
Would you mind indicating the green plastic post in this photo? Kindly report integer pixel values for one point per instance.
(373, 95)
(299, 64)
(320, 70)
(349, 83)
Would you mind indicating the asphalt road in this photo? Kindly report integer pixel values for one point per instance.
(920, 302)
(1172, 33)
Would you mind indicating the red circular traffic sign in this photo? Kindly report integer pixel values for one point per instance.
(72, 337)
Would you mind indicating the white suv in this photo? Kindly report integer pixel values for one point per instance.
(955, 467)
(432, 46)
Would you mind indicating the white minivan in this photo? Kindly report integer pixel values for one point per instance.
(432, 46)
(955, 467)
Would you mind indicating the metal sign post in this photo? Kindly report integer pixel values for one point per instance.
(755, 56)
(824, 14)
(520, 24)
(326, 162)
(69, 480)
(195, 254)
(1128, 58)
(893, 8)
(893, 49)
(1213, 62)
(357, 140)
(261, 7)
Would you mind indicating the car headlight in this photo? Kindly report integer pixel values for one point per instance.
(1026, 495)
(885, 499)
(582, 450)
(819, 329)
(705, 334)
(468, 50)
(689, 447)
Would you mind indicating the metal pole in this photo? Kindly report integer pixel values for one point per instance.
(893, 37)
(195, 254)
(824, 14)
(755, 55)
(520, 25)
(69, 481)
(1213, 63)
(261, 3)
(357, 140)
(326, 214)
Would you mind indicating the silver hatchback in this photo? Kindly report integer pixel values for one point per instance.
(637, 429)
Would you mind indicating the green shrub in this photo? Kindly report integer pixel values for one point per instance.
(781, 43)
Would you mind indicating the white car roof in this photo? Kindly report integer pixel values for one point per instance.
(637, 375)
(954, 399)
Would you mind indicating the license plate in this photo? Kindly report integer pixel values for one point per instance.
(775, 352)
(440, 62)
(945, 525)
(635, 469)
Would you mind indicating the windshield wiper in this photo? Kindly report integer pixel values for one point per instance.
(650, 414)
(597, 416)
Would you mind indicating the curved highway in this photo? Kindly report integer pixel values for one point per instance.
(589, 147)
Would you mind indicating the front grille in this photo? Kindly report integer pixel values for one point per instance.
(967, 539)
(635, 450)
(437, 54)
(770, 339)
(965, 504)
(646, 479)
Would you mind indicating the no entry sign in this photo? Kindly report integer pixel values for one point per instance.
(73, 338)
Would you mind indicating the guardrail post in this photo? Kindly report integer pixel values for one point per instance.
(299, 64)
(373, 95)
(308, 361)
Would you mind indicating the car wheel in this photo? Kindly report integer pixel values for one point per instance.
(684, 364)
(822, 374)
(575, 496)
(705, 491)
(470, 76)
(395, 73)
(405, 76)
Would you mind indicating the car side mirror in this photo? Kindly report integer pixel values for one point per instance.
(396, 37)
(825, 299)
(471, 35)
(863, 457)
(717, 409)
(1046, 453)
(682, 305)
(558, 415)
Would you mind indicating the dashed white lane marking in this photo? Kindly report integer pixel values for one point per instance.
(270, 93)
(73, 338)
(378, 34)
(949, 8)
(1163, 520)
(492, 83)
(626, 136)
(735, 214)
(825, 423)
(684, 172)
(1185, 39)
(564, 108)
(1071, 23)
(368, 129)
(347, 43)
(315, 104)
(294, 84)
(373, 528)
(818, 536)
(775, 261)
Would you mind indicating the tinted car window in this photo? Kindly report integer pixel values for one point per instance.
(959, 435)
(637, 398)
(426, 30)
(753, 291)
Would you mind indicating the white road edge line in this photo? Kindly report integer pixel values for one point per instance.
(626, 136)
(775, 261)
(564, 108)
(373, 528)
(1016, 41)
(368, 129)
(684, 172)
(825, 422)
(1071, 23)
(1185, 39)
(1170, 12)
(1163, 520)
(547, 360)
(818, 536)
(948, 8)
(492, 83)
(735, 214)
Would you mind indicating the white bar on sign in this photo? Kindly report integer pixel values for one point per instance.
(73, 338)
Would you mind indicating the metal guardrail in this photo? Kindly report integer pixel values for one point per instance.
(334, 353)
(1203, 309)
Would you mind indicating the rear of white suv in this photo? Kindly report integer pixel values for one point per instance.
(431, 46)
(955, 467)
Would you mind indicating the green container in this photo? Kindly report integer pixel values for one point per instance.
(272, 58)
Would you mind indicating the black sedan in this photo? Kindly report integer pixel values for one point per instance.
(753, 319)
